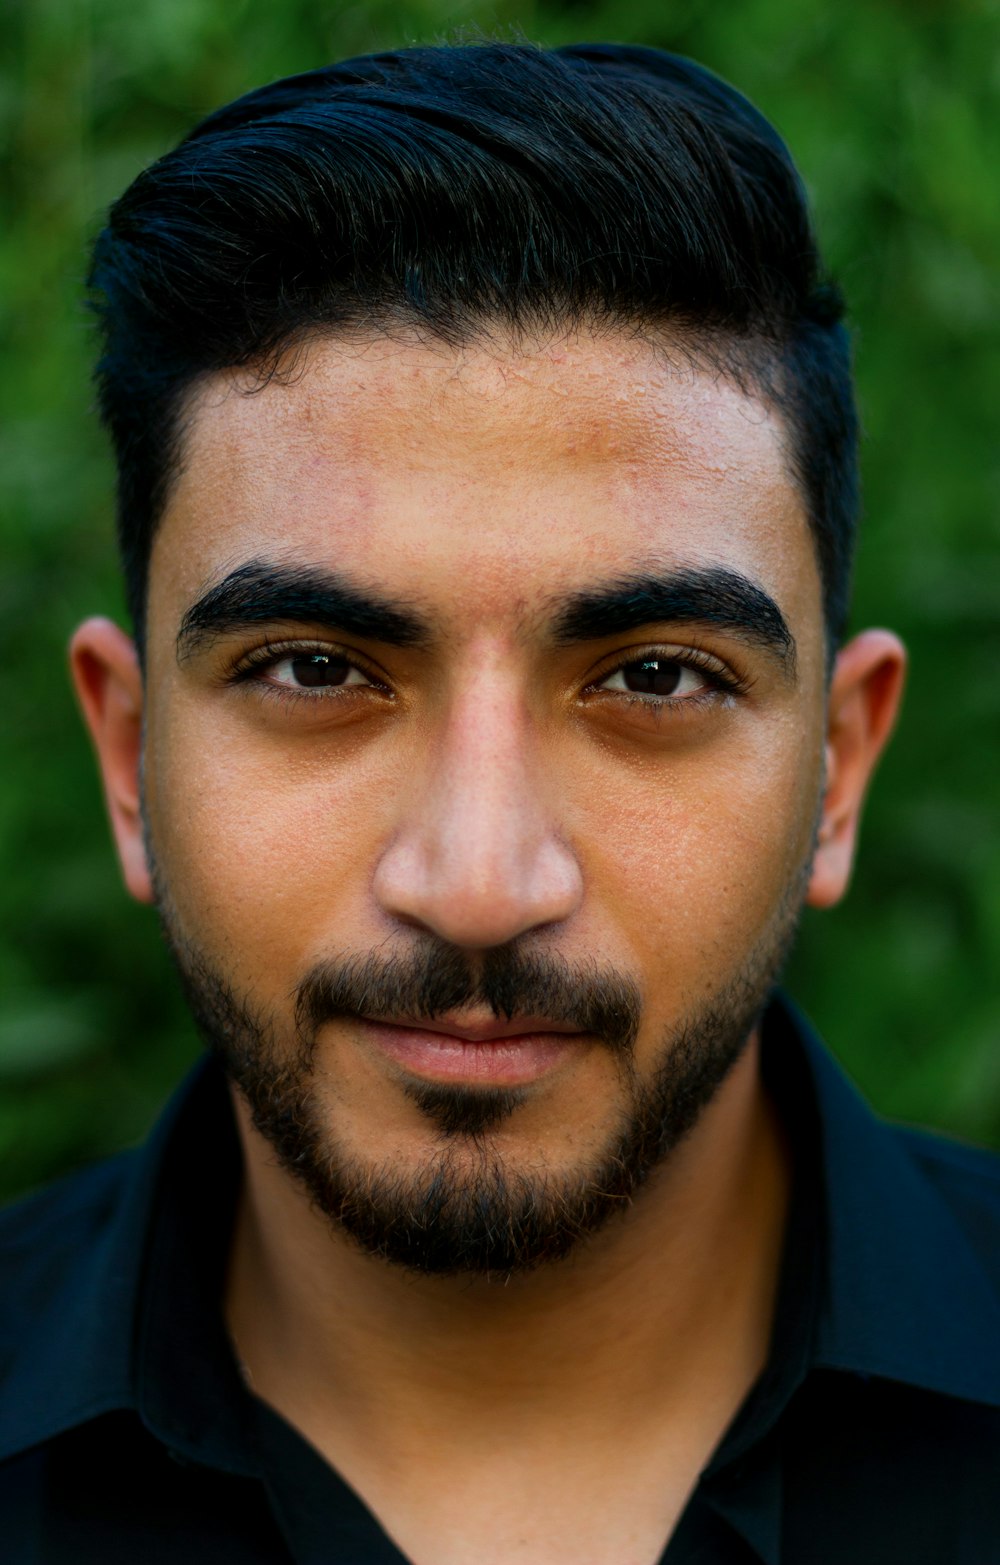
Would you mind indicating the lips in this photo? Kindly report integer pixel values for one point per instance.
(487, 1052)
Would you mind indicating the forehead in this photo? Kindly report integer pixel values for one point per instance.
(518, 473)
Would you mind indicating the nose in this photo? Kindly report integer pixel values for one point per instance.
(477, 858)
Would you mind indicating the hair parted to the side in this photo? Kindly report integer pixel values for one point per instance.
(460, 189)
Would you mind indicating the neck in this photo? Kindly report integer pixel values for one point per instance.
(669, 1307)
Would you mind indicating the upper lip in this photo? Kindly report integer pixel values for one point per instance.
(477, 1032)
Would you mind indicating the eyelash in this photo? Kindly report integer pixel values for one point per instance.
(252, 663)
(722, 682)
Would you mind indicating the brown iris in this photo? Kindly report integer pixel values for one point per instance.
(315, 670)
(652, 676)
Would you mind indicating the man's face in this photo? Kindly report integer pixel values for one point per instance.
(516, 678)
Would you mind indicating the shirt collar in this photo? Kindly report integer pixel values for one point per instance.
(906, 1296)
(133, 1321)
(879, 1279)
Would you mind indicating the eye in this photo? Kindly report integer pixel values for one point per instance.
(660, 677)
(314, 671)
(292, 670)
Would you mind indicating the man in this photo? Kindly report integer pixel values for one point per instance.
(487, 487)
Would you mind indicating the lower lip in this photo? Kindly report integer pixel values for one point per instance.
(505, 1062)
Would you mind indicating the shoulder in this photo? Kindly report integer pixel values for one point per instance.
(967, 1179)
(963, 1173)
(47, 1236)
(84, 1198)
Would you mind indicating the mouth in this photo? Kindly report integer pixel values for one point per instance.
(482, 1053)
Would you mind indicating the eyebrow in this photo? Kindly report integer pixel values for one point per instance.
(262, 591)
(710, 595)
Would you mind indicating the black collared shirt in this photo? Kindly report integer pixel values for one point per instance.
(127, 1436)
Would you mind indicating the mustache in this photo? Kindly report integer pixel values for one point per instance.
(435, 979)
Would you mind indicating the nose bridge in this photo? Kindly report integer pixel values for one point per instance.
(483, 792)
(478, 856)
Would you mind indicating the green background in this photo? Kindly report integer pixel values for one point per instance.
(891, 107)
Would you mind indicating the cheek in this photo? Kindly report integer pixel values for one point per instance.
(696, 855)
(267, 854)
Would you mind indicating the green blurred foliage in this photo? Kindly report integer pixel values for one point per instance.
(891, 109)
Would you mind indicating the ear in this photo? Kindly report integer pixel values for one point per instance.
(864, 699)
(108, 681)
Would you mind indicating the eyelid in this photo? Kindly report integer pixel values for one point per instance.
(721, 674)
(257, 659)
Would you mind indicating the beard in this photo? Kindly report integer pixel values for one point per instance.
(468, 1211)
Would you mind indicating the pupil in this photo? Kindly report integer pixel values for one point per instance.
(653, 677)
(319, 669)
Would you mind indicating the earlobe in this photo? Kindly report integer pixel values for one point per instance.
(865, 693)
(108, 682)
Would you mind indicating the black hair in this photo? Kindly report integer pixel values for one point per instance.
(459, 188)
